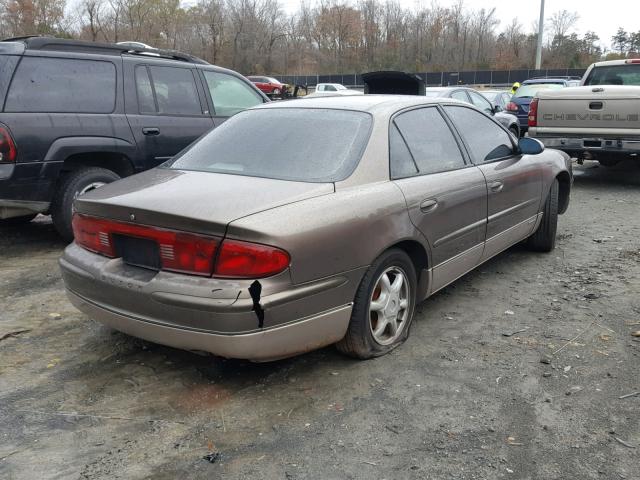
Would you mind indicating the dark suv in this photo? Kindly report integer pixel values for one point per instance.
(76, 115)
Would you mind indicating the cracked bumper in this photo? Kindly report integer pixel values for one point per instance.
(208, 314)
(262, 346)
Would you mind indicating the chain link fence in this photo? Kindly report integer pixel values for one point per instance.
(439, 79)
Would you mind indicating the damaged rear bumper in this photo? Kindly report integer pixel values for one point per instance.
(262, 346)
(220, 316)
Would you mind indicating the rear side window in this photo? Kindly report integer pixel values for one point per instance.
(167, 91)
(430, 141)
(229, 94)
(486, 140)
(401, 162)
(51, 85)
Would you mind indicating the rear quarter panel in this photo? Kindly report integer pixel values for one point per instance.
(334, 233)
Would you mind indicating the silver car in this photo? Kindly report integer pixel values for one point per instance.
(263, 243)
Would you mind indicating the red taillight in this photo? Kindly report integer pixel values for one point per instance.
(633, 60)
(179, 252)
(533, 113)
(184, 252)
(511, 107)
(238, 259)
(7, 147)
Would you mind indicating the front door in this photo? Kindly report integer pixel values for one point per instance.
(169, 113)
(446, 196)
(514, 181)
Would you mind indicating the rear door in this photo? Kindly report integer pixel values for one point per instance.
(446, 196)
(166, 109)
(514, 181)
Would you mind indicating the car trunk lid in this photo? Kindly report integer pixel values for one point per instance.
(190, 201)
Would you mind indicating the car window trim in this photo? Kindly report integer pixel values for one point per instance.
(467, 163)
(516, 152)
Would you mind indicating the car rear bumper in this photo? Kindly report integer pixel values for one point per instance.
(270, 344)
(590, 144)
(220, 316)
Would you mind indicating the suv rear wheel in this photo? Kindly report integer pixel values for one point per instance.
(72, 186)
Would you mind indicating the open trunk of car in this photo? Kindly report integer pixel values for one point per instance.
(393, 82)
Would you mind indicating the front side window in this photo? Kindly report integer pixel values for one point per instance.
(298, 144)
(229, 94)
(430, 141)
(460, 95)
(486, 140)
(330, 88)
(481, 102)
(51, 85)
(175, 91)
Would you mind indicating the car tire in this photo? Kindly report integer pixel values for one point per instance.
(515, 130)
(17, 221)
(361, 340)
(72, 185)
(544, 238)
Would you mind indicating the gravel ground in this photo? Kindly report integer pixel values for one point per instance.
(467, 397)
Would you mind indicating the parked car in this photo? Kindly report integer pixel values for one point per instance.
(78, 115)
(599, 120)
(498, 98)
(258, 244)
(469, 95)
(270, 86)
(520, 101)
(333, 89)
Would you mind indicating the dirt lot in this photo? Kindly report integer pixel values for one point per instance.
(467, 397)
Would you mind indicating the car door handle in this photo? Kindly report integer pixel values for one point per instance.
(496, 186)
(151, 131)
(428, 205)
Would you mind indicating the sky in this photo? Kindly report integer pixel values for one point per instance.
(603, 18)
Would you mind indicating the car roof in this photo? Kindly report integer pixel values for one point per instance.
(363, 103)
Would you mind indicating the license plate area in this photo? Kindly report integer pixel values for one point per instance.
(593, 143)
(139, 252)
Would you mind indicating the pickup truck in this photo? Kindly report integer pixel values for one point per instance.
(599, 120)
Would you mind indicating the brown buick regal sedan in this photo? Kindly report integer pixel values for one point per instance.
(263, 243)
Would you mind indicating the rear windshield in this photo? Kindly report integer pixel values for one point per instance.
(307, 145)
(531, 89)
(615, 75)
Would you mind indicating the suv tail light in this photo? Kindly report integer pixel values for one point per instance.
(183, 252)
(511, 107)
(633, 60)
(7, 146)
(533, 113)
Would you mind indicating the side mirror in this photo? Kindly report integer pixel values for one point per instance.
(530, 146)
(497, 108)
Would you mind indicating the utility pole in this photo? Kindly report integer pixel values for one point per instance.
(540, 34)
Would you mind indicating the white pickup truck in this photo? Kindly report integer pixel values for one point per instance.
(600, 120)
